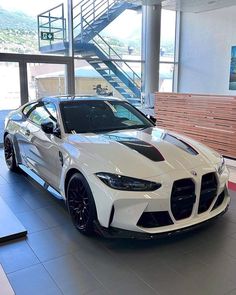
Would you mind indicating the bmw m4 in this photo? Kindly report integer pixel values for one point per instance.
(118, 173)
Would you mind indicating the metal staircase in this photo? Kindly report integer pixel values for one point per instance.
(90, 17)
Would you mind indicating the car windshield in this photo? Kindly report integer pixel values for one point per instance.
(92, 116)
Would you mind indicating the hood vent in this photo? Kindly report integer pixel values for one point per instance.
(145, 149)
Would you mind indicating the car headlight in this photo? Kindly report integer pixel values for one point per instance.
(221, 166)
(126, 183)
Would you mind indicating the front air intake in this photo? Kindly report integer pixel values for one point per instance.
(208, 192)
(220, 200)
(182, 198)
(154, 219)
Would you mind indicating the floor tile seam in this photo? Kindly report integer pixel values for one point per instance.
(93, 274)
(169, 267)
(27, 241)
(18, 212)
(34, 209)
(70, 251)
(1, 194)
(30, 211)
(40, 230)
(224, 252)
(22, 268)
(230, 255)
(45, 229)
(53, 278)
(12, 182)
(131, 270)
(166, 264)
(89, 271)
(40, 263)
(228, 293)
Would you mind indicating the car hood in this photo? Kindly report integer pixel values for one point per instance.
(140, 153)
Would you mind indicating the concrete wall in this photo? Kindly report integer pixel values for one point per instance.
(205, 51)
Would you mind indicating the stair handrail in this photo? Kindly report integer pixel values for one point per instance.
(89, 9)
(110, 49)
(50, 19)
(134, 77)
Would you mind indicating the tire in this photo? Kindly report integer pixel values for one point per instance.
(9, 153)
(80, 204)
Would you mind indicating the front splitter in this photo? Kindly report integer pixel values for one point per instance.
(117, 233)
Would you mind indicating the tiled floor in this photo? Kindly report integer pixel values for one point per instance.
(56, 259)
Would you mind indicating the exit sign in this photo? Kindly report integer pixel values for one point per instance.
(47, 36)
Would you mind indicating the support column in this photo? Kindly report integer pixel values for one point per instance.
(151, 37)
(24, 93)
(70, 69)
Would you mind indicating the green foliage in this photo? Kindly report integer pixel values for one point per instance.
(18, 32)
(16, 20)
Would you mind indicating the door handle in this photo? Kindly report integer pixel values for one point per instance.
(27, 132)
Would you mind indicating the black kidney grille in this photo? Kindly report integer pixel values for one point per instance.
(208, 192)
(182, 198)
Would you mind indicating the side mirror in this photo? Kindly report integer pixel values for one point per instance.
(152, 119)
(48, 127)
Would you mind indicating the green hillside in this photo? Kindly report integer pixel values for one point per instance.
(18, 32)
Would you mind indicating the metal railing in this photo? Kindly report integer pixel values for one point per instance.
(52, 22)
(87, 12)
(116, 59)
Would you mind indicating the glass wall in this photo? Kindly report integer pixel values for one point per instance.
(168, 61)
(96, 78)
(19, 28)
(45, 80)
(108, 61)
(125, 39)
(10, 86)
(10, 91)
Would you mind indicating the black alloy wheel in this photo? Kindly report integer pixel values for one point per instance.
(10, 154)
(81, 204)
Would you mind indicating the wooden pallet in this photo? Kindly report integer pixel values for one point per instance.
(210, 119)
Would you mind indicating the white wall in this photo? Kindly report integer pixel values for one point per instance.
(205, 51)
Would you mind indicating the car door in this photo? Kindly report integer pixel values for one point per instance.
(20, 123)
(42, 151)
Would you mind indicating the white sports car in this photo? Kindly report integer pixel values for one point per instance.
(118, 173)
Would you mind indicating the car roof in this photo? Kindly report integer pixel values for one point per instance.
(64, 98)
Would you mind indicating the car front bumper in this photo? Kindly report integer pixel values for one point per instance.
(121, 210)
(117, 233)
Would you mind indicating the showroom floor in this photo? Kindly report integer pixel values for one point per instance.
(56, 259)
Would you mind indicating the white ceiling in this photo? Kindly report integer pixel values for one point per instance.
(189, 5)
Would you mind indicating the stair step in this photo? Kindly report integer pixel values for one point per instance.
(95, 61)
(106, 75)
(102, 69)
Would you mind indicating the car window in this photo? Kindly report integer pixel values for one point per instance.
(124, 113)
(100, 116)
(44, 113)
